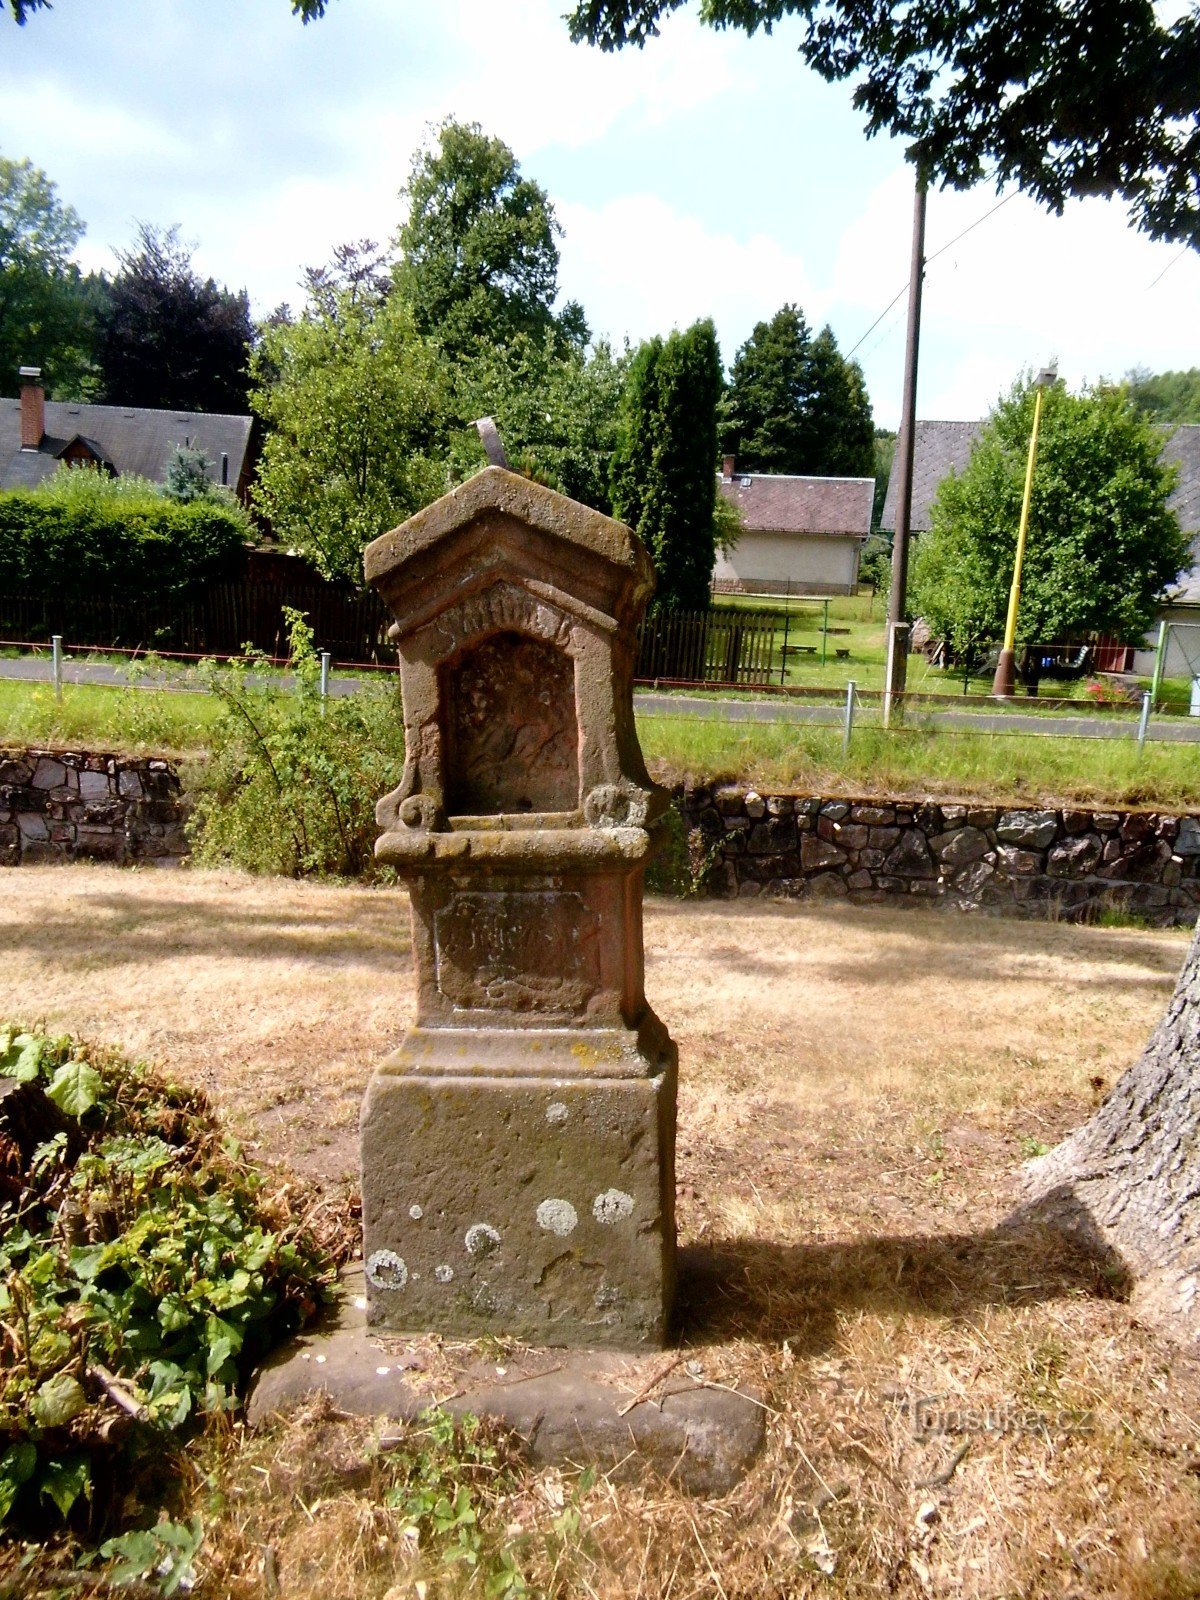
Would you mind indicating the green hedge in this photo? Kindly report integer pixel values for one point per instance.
(139, 546)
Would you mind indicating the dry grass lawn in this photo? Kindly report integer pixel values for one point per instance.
(858, 1090)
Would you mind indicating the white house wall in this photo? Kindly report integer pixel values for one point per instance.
(764, 562)
(1183, 644)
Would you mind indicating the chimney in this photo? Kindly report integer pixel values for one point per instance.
(727, 467)
(33, 408)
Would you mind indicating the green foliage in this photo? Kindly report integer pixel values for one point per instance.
(480, 258)
(83, 533)
(169, 339)
(840, 413)
(1102, 544)
(875, 563)
(885, 455)
(556, 408)
(291, 781)
(1166, 396)
(144, 1268)
(188, 478)
(438, 1486)
(47, 307)
(684, 861)
(164, 1555)
(664, 470)
(355, 402)
(795, 405)
(1061, 100)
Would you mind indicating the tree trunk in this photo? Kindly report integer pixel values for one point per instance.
(1128, 1181)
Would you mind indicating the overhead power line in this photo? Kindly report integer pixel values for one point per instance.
(941, 252)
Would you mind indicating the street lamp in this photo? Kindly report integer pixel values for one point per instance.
(1006, 668)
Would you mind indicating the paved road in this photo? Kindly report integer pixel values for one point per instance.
(781, 710)
(37, 669)
(34, 669)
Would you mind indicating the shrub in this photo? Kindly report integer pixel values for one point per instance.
(144, 1267)
(84, 533)
(291, 782)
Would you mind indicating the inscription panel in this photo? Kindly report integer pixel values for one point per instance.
(524, 950)
(512, 742)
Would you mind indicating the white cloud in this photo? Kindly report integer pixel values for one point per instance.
(639, 268)
(1018, 289)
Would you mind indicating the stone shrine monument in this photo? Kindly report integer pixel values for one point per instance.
(518, 1149)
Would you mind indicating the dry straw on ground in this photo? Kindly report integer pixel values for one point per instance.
(954, 1408)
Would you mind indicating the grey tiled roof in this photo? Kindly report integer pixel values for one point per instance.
(940, 448)
(943, 447)
(773, 502)
(135, 441)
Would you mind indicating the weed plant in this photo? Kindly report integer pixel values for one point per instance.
(291, 780)
(145, 1267)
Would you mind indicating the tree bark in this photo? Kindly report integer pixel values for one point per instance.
(1128, 1181)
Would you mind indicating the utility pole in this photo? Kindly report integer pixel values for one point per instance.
(897, 626)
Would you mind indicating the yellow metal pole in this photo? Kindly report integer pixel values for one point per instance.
(1006, 670)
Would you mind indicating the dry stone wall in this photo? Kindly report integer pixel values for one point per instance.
(1033, 863)
(67, 805)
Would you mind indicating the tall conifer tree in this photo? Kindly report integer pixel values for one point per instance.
(664, 472)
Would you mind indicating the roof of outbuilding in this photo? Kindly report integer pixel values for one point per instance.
(136, 440)
(944, 447)
(774, 502)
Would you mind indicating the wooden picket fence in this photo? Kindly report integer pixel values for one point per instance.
(717, 646)
(221, 620)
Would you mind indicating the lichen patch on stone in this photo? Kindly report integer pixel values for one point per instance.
(557, 1216)
(386, 1270)
(614, 1205)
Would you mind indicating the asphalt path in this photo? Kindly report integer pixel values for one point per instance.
(37, 669)
(780, 710)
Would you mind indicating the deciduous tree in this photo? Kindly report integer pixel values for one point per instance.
(1102, 543)
(1166, 396)
(355, 403)
(479, 251)
(1102, 97)
(557, 411)
(1128, 1181)
(47, 307)
(664, 472)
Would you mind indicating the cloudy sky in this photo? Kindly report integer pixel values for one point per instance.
(706, 175)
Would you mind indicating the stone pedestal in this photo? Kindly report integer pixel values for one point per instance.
(518, 1148)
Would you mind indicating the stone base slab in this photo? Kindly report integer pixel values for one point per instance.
(533, 1208)
(567, 1407)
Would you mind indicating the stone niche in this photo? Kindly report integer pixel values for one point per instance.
(518, 1147)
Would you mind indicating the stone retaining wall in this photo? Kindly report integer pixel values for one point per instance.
(68, 805)
(1033, 863)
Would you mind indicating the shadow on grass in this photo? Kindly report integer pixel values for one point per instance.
(935, 943)
(134, 928)
(764, 1290)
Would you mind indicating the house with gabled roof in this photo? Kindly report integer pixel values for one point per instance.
(940, 448)
(37, 436)
(801, 535)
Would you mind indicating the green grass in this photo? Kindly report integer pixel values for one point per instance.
(1004, 768)
(94, 717)
(1001, 767)
(861, 620)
